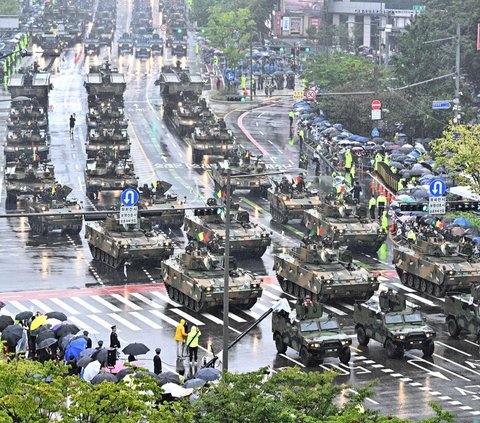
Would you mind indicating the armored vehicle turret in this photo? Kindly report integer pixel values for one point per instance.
(105, 82)
(211, 139)
(188, 113)
(31, 83)
(311, 332)
(341, 222)
(462, 313)
(107, 114)
(27, 114)
(28, 178)
(247, 239)
(323, 271)
(195, 279)
(388, 320)
(289, 200)
(59, 212)
(434, 266)
(115, 139)
(113, 244)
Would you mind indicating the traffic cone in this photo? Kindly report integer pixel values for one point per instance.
(389, 197)
(373, 186)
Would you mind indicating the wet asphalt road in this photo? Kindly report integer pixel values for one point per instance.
(57, 272)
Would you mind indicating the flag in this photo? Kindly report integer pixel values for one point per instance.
(200, 236)
(320, 231)
(312, 232)
(53, 190)
(218, 194)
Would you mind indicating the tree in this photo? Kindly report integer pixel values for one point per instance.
(9, 7)
(458, 151)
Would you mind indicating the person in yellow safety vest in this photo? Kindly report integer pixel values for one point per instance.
(304, 83)
(353, 171)
(413, 180)
(381, 204)
(378, 159)
(401, 184)
(371, 206)
(348, 160)
(385, 221)
(243, 82)
(192, 343)
(393, 169)
(386, 160)
(291, 116)
(301, 136)
(411, 236)
(197, 48)
(348, 178)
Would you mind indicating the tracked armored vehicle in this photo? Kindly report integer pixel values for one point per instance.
(24, 178)
(59, 213)
(107, 114)
(247, 239)
(211, 139)
(27, 114)
(341, 223)
(188, 113)
(434, 266)
(462, 313)
(322, 271)
(311, 332)
(105, 83)
(32, 84)
(114, 244)
(102, 138)
(388, 320)
(195, 279)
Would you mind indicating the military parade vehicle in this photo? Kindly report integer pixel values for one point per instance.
(115, 139)
(311, 332)
(59, 212)
(164, 210)
(195, 279)
(242, 163)
(388, 320)
(433, 265)
(462, 312)
(91, 45)
(31, 83)
(107, 114)
(125, 44)
(179, 48)
(105, 174)
(105, 83)
(51, 44)
(114, 244)
(143, 47)
(322, 270)
(27, 178)
(188, 113)
(25, 113)
(156, 43)
(341, 222)
(211, 139)
(289, 200)
(247, 239)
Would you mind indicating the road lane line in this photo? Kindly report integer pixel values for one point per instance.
(335, 310)
(405, 288)
(454, 349)
(457, 364)
(187, 316)
(347, 306)
(164, 317)
(145, 300)
(421, 299)
(219, 322)
(145, 320)
(100, 321)
(124, 322)
(236, 318)
(88, 306)
(105, 303)
(272, 296)
(19, 306)
(63, 305)
(252, 314)
(126, 301)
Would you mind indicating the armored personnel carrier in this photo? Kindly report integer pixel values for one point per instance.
(195, 279)
(246, 238)
(102, 138)
(31, 83)
(59, 213)
(125, 44)
(179, 48)
(388, 320)
(462, 312)
(107, 114)
(28, 178)
(25, 114)
(289, 200)
(105, 174)
(242, 163)
(105, 83)
(434, 266)
(211, 139)
(164, 210)
(323, 271)
(341, 222)
(188, 113)
(311, 332)
(113, 244)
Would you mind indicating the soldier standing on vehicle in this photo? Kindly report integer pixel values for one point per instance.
(372, 204)
(381, 203)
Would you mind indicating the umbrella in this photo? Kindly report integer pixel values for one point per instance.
(194, 383)
(100, 355)
(75, 347)
(40, 329)
(406, 148)
(64, 340)
(84, 361)
(176, 391)
(101, 377)
(55, 323)
(119, 366)
(21, 98)
(12, 334)
(146, 374)
(24, 315)
(136, 349)
(91, 370)
(87, 353)
(38, 321)
(46, 343)
(124, 372)
(5, 321)
(45, 335)
(460, 221)
(66, 328)
(208, 374)
(167, 377)
(57, 315)
(458, 231)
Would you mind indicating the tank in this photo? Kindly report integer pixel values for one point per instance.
(195, 279)
(389, 321)
(105, 82)
(107, 114)
(247, 239)
(54, 201)
(188, 113)
(115, 139)
(323, 271)
(462, 313)
(27, 114)
(28, 178)
(289, 200)
(125, 44)
(114, 244)
(342, 222)
(31, 83)
(434, 266)
(311, 332)
(211, 139)
(242, 163)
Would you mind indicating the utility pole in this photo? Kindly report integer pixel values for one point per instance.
(456, 100)
(226, 267)
(251, 66)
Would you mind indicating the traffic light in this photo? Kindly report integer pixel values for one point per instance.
(211, 211)
(282, 50)
(414, 207)
(465, 206)
(179, 30)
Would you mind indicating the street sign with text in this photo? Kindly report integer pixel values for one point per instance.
(298, 94)
(437, 205)
(376, 114)
(128, 215)
(441, 105)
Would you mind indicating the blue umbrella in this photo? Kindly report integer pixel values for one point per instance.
(460, 221)
(75, 347)
(476, 240)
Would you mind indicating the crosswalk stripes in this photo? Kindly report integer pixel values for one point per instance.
(105, 303)
(145, 320)
(100, 321)
(146, 300)
(65, 306)
(219, 322)
(187, 316)
(126, 301)
(124, 321)
(272, 296)
(86, 305)
(81, 325)
(236, 318)
(165, 318)
(41, 306)
(165, 298)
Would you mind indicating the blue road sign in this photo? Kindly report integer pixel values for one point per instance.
(437, 188)
(129, 197)
(375, 133)
(230, 75)
(441, 105)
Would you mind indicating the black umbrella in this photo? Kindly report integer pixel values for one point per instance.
(12, 334)
(167, 377)
(87, 352)
(146, 374)
(101, 377)
(24, 315)
(208, 374)
(57, 315)
(40, 329)
(5, 321)
(100, 355)
(46, 343)
(65, 328)
(124, 372)
(45, 335)
(83, 361)
(136, 348)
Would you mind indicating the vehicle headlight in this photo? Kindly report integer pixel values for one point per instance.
(314, 345)
(208, 289)
(451, 272)
(346, 341)
(429, 334)
(400, 336)
(103, 184)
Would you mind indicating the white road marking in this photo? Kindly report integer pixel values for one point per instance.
(454, 349)
(124, 322)
(105, 303)
(166, 299)
(63, 305)
(145, 320)
(236, 318)
(335, 310)
(88, 306)
(187, 316)
(82, 326)
(42, 306)
(292, 360)
(146, 300)
(164, 318)
(126, 301)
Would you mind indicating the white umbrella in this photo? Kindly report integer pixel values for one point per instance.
(91, 370)
(176, 391)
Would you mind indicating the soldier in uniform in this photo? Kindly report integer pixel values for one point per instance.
(114, 341)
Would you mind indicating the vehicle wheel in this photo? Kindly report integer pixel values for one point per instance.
(429, 348)
(198, 305)
(404, 278)
(181, 298)
(296, 290)
(429, 288)
(175, 294)
(423, 285)
(170, 291)
(248, 305)
(284, 219)
(291, 287)
(416, 283)
(344, 355)
(399, 353)
(391, 348)
(283, 283)
(259, 252)
(437, 291)
(305, 357)
(452, 327)
(362, 337)
(410, 279)
(279, 344)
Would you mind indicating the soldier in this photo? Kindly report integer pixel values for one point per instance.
(371, 206)
(381, 203)
(284, 186)
(114, 342)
